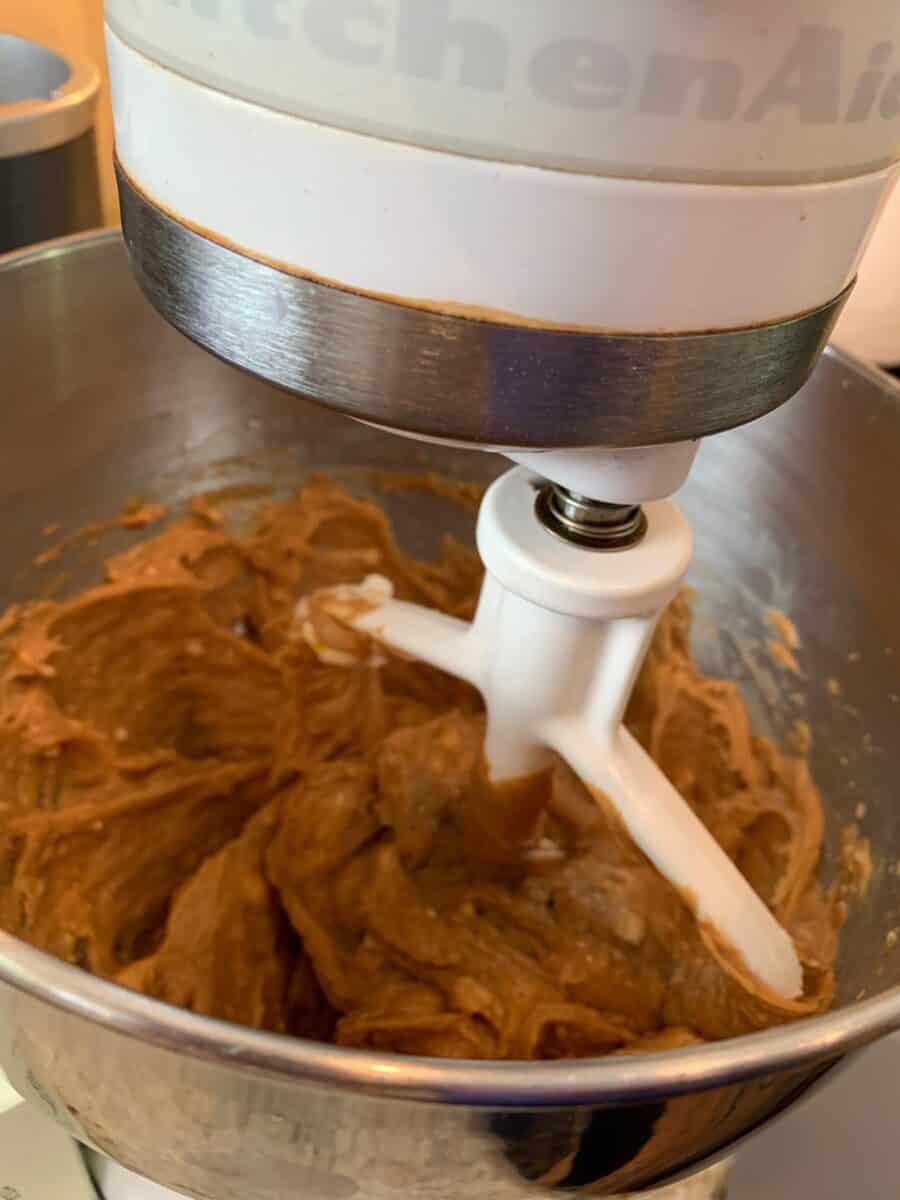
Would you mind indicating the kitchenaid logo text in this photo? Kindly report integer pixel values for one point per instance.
(423, 40)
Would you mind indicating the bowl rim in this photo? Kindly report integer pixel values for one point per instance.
(477, 1084)
(67, 244)
(561, 1083)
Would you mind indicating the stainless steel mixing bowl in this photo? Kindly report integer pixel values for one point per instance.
(102, 401)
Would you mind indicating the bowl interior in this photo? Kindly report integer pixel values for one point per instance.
(103, 402)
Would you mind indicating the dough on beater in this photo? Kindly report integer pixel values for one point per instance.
(195, 804)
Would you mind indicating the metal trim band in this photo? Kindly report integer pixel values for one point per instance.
(457, 378)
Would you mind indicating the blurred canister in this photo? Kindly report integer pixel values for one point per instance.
(49, 182)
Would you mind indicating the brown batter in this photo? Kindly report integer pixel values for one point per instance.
(193, 803)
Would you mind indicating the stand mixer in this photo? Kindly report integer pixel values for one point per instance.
(585, 237)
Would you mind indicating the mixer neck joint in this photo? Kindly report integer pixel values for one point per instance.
(590, 524)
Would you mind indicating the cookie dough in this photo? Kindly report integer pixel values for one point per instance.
(194, 804)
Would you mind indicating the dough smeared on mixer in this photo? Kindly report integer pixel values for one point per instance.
(194, 803)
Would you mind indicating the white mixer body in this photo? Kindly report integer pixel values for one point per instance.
(649, 166)
(655, 167)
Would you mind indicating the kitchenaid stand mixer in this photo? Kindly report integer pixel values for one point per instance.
(586, 236)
